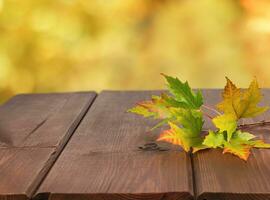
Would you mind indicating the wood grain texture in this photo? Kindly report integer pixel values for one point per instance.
(102, 160)
(226, 177)
(33, 131)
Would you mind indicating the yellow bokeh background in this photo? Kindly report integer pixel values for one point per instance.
(75, 45)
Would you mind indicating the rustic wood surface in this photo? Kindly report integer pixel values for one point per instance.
(226, 177)
(33, 131)
(102, 160)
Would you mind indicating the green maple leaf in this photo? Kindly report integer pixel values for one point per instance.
(161, 107)
(183, 93)
(189, 119)
(170, 100)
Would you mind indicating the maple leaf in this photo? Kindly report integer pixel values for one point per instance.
(250, 99)
(247, 138)
(238, 149)
(159, 107)
(241, 104)
(156, 108)
(226, 123)
(214, 140)
(241, 143)
(173, 102)
(189, 119)
(180, 136)
(183, 93)
(189, 134)
(181, 111)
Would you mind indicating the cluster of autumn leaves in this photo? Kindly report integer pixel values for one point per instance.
(182, 111)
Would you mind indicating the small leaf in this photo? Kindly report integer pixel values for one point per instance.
(226, 123)
(214, 140)
(246, 138)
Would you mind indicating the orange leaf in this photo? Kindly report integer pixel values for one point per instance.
(242, 151)
(170, 136)
(177, 136)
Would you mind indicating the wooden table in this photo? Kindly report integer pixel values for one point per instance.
(84, 146)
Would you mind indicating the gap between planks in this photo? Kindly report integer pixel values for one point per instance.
(57, 152)
(194, 187)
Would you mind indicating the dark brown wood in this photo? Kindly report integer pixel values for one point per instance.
(102, 160)
(226, 177)
(33, 131)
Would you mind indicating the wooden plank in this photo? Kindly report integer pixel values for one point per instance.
(33, 131)
(226, 177)
(102, 161)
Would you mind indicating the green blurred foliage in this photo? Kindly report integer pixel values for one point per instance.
(70, 45)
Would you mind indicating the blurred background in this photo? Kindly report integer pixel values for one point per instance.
(71, 45)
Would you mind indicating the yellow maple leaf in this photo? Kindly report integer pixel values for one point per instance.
(241, 104)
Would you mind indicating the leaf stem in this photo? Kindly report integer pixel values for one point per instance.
(243, 126)
(261, 123)
(212, 109)
(207, 115)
